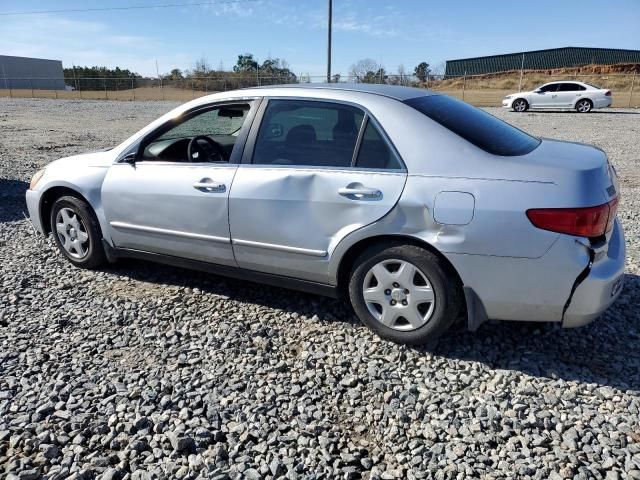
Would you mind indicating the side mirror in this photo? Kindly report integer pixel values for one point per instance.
(130, 158)
(538, 90)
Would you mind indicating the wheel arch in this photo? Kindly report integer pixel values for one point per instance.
(49, 197)
(349, 257)
(590, 100)
(524, 99)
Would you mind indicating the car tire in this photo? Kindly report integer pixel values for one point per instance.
(77, 233)
(520, 105)
(376, 306)
(584, 106)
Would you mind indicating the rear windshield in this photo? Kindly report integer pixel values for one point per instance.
(474, 125)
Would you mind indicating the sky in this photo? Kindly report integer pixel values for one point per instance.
(393, 33)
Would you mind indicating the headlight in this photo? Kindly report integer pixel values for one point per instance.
(507, 97)
(36, 178)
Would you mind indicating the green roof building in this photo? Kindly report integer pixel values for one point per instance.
(540, 59)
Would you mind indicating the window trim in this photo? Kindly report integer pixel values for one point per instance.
(140, 144)
(356, 151)
(249, 147)
(356, 147)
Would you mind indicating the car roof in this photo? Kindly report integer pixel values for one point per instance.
(393, 91)
(567, 81)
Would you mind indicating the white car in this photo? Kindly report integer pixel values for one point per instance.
(560, 96)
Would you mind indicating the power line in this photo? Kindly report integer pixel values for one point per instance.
(130, 7)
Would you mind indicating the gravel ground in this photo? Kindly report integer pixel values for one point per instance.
(143, 371)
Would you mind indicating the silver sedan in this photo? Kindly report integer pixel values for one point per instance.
(418, 208)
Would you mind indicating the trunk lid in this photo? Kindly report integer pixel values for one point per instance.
(583, 173)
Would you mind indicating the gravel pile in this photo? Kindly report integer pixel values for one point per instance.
(141, 371)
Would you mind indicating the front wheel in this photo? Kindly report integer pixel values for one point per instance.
(76, 232)
(404, 293)
(584, 106)
(520, 105)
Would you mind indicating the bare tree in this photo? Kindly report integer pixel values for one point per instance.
(402, 73)
(201, 67)
(365, 69)
(439, 69)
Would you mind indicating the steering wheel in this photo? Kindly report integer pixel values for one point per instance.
(196, 152)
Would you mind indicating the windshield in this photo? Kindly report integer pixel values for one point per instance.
(226, 120)
(474, 125)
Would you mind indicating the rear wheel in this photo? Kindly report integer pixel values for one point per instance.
(76, 232)
(404, 293)
(520, 105)
(584, 105)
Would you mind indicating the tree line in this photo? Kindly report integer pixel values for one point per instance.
(369, 71)
(99, 78)
(247, 71)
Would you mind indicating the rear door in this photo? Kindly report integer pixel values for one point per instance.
(314, 172)
(568, 93)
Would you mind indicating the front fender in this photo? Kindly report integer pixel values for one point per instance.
(87, 182)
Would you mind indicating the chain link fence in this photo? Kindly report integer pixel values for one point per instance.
(479, 90)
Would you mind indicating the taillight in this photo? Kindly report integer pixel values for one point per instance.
(608, 93)
(581, 222)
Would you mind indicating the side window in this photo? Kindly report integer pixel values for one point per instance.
(302, 132)
(570, 87)
(217, 130)
(375, 151)
(549, 88)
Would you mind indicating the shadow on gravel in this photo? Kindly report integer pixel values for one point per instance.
(592, 112)
(327, 309)
(12, 204)
(613, 112)
(606, 352)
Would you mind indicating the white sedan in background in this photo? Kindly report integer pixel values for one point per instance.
(560, 95)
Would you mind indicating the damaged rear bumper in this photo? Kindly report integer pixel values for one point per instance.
(601, 286)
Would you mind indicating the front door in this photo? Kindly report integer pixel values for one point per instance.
(545, 96)
(173, 199)
(319, 171)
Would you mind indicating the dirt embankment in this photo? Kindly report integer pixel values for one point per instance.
(618, 76)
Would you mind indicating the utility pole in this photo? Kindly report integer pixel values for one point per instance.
(329, 41)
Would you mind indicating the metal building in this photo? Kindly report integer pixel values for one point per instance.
(541, 59)
(27, 73)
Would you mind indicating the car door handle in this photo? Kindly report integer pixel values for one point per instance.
(208, 185)
(360, 192)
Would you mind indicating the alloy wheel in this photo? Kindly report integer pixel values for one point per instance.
(398, 295)
(583, 106)
(72, 233)
(519, 106)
